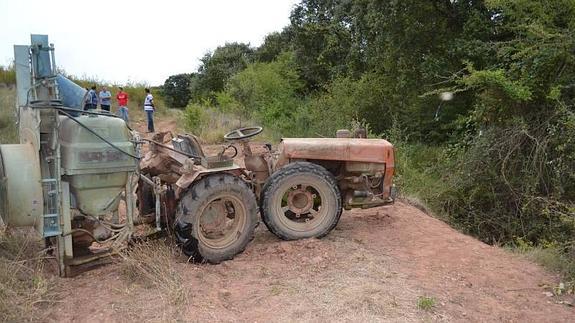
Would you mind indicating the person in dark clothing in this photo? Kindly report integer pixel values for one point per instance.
(87, 99)
(92, 100)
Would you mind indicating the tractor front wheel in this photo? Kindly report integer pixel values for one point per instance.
(216, 218)
(301, 200)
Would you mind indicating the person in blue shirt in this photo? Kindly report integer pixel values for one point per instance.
(105, 99)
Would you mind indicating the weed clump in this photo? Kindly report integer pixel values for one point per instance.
(152, 265)
(426, 303)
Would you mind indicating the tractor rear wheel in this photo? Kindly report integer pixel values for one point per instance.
(216, 218)
(301, 200)
(146, 200)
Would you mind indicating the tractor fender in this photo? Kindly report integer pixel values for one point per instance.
(198, 172)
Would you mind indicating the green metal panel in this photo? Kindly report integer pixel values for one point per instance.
(21, 186)
(96, 171)
(83, 152)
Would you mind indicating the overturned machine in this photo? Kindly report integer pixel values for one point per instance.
(298, 189)
(71, 169)
(79, 179)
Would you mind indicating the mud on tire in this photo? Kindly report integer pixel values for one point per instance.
(216, 218)
(301, 200)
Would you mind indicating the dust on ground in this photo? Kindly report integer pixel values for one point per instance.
(374, 266)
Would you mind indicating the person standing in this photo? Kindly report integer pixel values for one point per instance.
(149, 108)
(105, 99)
(122, 98)
(87, 100)
(92, 99)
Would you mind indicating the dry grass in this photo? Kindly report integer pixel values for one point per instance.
(7, 74)
(152, 265)
(8, 129)
(24, 286)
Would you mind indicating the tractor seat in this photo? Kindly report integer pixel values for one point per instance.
(188, 144)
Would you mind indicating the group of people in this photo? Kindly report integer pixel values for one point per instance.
(104, 100)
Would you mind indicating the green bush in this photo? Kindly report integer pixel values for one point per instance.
(267, 93)
(506, 185)
(194, 116)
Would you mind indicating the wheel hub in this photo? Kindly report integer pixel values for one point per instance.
(213, 218)
(300, 201)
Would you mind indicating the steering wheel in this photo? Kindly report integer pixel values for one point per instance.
(243, 133)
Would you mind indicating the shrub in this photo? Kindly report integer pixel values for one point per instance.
(267, 93)
(194, 117)
(508, 184)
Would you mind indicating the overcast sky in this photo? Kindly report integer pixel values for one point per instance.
(143, 41)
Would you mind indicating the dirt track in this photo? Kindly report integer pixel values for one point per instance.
(372, 267)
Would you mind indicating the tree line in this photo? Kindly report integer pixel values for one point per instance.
(502, 151)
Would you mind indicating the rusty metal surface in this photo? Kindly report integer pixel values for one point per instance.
(343, 149)
(359, 157)
(359, 164)
(198, 171)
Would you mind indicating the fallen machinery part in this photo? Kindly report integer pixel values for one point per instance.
(71, 169)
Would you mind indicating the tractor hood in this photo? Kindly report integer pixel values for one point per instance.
(344, 149)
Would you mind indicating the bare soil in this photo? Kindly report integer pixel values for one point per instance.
(374, 266)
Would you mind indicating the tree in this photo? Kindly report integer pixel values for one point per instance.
(274, 44)
(266, 92)
(177, 90)
(217, 67)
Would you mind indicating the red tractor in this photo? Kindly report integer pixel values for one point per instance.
(299, 189)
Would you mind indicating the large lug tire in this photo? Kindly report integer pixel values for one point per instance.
(301, 200)
(146, 200)
(216, 218)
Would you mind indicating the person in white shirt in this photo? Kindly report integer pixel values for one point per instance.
(149, 108)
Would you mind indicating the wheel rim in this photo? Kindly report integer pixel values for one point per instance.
(221, 221)
(302, 205)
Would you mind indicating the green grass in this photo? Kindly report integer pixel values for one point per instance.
(556, 258)
(426, 303)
